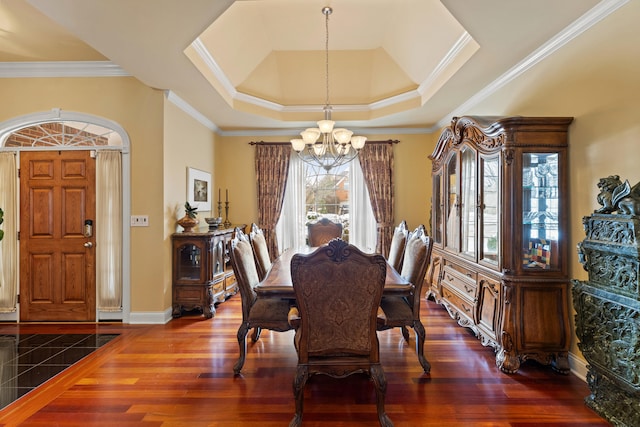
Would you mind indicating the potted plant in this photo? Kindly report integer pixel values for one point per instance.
(189, 220)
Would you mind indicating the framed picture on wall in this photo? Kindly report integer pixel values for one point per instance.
(199, 189)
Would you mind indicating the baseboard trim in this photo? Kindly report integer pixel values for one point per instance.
(578, 366)
(150, 317)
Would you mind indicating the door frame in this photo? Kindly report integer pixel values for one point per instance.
(56, 115)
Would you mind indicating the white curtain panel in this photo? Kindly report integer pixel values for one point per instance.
(109, 230)
(362, 222)
(9, 245)
(291, 229)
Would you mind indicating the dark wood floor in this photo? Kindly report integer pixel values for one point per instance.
(181, 374)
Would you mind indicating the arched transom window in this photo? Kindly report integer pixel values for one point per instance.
(63, 133)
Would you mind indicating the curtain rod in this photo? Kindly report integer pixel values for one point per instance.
(388, 141)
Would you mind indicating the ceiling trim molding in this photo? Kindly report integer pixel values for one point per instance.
(295, 132)
(188, 109)
(61, 69)
(458, 47)
(580, 25)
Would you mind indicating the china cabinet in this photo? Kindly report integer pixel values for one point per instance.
(202, 273)
(499, 222)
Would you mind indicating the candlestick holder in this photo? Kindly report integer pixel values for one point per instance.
(227, 223)
(219, 208)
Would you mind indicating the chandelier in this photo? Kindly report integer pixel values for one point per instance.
(325, 146)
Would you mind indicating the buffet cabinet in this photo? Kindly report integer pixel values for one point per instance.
(499, 223)
(202, 273)
(607, 306)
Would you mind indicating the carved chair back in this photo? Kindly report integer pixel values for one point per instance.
(322, 231)
(398, 242)
(417, 255)
(260, 250)
(338, 290)
(257, 313)
(404, 312)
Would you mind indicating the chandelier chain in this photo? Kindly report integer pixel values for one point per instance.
(327, 12)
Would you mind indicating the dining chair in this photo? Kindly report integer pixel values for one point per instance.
(338, 290)
(260, 250)
(264, 312)
(404, 312)
(398, 242)
(323, 230)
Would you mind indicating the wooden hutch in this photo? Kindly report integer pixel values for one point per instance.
(202, 273)
(500, 228)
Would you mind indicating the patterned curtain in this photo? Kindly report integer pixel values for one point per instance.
(272, 168)
(377, 166)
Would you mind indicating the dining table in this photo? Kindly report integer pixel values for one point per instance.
(278, 283)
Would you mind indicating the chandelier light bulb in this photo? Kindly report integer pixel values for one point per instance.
(297, 144)
(310, 135)
(326, 126)
(343, 136)
(358, 141)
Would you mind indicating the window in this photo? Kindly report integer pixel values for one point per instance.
(339, 195)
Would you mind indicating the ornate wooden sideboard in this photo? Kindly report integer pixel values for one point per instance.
(202, 273)
(499, 223)
(608, 304)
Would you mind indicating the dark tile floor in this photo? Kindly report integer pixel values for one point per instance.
(28, 360)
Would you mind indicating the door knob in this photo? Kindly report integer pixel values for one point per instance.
(88, 245)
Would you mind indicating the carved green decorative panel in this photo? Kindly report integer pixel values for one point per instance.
(608, 304)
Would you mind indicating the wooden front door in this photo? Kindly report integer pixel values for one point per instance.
(57, 259)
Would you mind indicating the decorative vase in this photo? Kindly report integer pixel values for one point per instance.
(187, 223)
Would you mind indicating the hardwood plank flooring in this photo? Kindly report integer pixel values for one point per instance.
(181, 374)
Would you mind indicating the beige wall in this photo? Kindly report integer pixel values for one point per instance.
(138, 109)
(187, 143)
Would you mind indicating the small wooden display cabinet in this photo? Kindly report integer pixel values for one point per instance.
(202, 274)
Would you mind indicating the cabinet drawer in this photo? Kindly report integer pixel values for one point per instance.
(463, 306)
(471, 274)
(463, 284)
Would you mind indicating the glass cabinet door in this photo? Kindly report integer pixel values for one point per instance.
(540, 210)
(453, 223)
(189, 259)
(468, 178)
(489, 203)
(218, 257)
(437, 208)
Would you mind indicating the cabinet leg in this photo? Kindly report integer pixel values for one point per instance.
(177, 310)
(561, 363)
(508, 362)
(209, 310)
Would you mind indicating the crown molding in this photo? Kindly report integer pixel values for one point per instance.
(188, 109)
(580, 25)
(61, 69)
